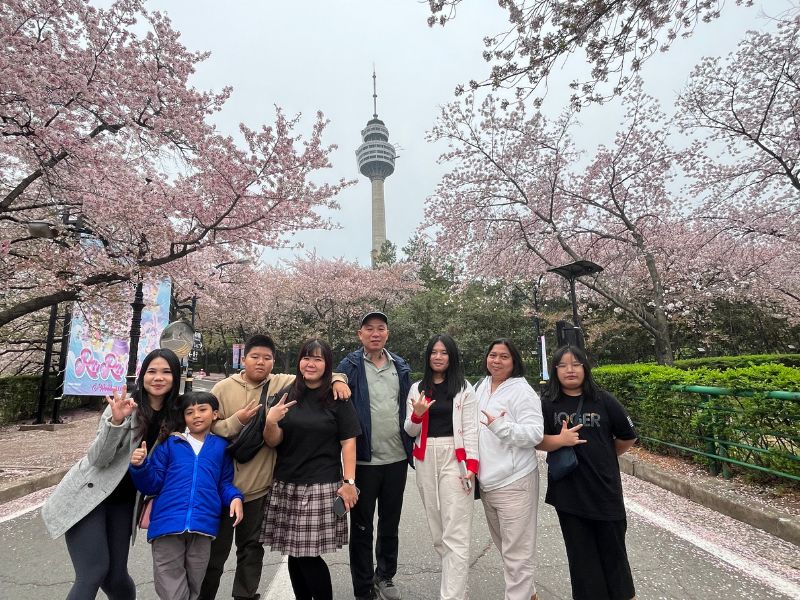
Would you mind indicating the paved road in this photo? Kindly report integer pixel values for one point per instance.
(679, 551)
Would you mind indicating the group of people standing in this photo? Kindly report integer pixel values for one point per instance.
(338, 441)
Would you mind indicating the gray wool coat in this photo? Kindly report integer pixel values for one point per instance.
(94, 477)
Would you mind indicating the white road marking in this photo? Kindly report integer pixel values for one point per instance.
(280, 588)
(765, 576)
(19, 513)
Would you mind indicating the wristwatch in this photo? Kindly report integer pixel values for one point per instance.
(350, 481)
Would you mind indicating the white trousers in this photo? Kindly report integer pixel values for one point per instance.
(511, 514)
(448, 509)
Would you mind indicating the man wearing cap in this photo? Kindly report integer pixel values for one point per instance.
(379, 381)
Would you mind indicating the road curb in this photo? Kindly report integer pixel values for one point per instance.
(31, 484)
(780, 524)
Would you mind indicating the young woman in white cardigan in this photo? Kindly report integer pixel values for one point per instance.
(443, 417)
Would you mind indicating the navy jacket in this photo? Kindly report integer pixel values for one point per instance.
(191, 490)
(352, 365)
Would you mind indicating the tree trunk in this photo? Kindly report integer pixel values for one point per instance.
(663, 345)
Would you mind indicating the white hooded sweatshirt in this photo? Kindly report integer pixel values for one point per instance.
(507, 447)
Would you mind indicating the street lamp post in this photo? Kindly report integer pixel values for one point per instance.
(48, 357)
(187, 386)
(62, 365)
(135, 334)
(571, 272)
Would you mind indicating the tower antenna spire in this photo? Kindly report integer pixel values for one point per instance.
(374, 92)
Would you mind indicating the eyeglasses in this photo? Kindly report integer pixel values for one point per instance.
(575, 365)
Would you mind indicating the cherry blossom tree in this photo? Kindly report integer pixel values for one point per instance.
(746, 107)
(519, 199)
(308, 296)
(99, 121)
(616, 37)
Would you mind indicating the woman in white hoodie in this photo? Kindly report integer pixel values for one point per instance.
(443, 417)
(508, 475)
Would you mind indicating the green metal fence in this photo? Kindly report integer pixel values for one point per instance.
(758, 431)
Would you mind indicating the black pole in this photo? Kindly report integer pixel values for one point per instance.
(48, 357)
(538, 344)
(62, 365)
(574, 302)
(187, 384)
(136, 331)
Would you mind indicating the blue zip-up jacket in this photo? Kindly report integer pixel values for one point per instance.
(191, 490)
(352, 365)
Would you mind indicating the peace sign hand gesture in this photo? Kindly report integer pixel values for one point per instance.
(248, 411)
(121, 407)
(421, 405)
(277, 412)
(569, 435)
(491, 418)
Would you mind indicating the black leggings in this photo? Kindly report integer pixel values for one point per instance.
(98, 546)
(311, 579)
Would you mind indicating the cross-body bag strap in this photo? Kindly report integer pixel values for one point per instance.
(264, 391)
(578, 412)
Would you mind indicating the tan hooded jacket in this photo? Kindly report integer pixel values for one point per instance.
(255, 476)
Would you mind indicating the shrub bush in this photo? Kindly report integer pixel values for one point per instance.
(19, 397)
(694, 420)
(735, 362)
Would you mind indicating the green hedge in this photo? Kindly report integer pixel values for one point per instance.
(684, 418)
(19, 397)
(735, 362)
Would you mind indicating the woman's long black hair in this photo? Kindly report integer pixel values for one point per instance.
(553, 389)
(144, 412)
(454, 376)
(316, 347)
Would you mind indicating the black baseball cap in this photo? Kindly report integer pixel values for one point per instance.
(375, 314)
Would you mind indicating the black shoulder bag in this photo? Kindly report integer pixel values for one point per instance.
(251, 438)
(563, 461)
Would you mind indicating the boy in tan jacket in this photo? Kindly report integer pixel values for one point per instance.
(239, 396)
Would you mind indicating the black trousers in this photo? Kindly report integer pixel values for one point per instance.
(382, 485)
(598, 559)
(249, 553)
(98, 546)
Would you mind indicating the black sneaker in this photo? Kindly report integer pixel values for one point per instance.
(387, 590)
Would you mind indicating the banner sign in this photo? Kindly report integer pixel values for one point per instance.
(238, 349)
(97, 363)
(545, 373)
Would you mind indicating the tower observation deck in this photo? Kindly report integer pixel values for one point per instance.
(376, 158)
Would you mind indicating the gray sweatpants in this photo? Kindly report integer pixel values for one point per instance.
(179, 564)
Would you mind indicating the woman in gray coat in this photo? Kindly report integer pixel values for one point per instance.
(94, 505)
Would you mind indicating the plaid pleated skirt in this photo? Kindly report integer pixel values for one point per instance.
(299, 519)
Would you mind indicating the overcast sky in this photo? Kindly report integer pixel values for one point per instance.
(318, 55)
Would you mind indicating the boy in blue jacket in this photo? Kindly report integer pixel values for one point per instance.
(191, 475)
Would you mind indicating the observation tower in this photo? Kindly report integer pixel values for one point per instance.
(376, 160)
